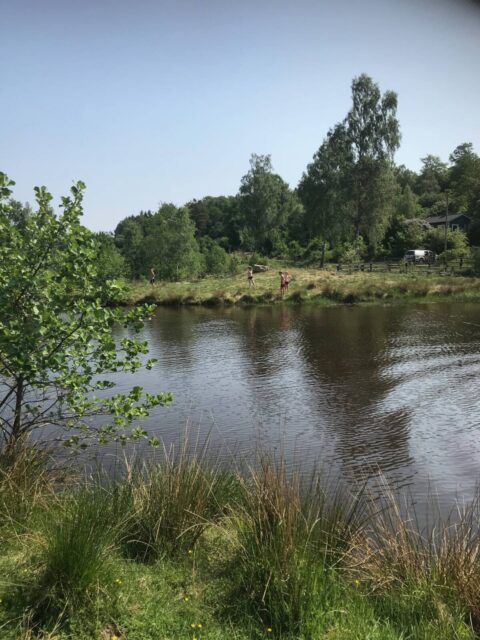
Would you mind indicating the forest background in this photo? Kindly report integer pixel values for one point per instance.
(352, 203)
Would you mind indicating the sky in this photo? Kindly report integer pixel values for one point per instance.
(151, 101)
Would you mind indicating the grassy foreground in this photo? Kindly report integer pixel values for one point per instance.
(181, 549)
(308, 285)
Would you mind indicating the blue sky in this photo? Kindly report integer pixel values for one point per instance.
(151, 101)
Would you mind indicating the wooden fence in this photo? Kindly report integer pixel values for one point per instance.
(438, 268)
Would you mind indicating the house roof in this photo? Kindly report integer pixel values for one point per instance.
(441, 219)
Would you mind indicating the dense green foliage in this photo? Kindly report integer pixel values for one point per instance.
(351, 203)
(56, 342)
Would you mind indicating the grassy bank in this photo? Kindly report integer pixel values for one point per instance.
(308, 285)
(181, 548)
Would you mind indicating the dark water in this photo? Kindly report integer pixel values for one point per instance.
(379, 391)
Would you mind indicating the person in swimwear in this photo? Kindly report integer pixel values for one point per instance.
(251, 281)
(282, 282)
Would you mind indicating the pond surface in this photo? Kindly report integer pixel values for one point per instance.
(377, 391)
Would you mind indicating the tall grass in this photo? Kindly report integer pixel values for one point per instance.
(26, 481)
(169, 503)
(304, 558)
(291, 538)
(439, 561)
(73, 566)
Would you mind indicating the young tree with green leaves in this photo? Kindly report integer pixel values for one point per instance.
(56, 343)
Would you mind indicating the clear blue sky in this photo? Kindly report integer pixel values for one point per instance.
(153, 101)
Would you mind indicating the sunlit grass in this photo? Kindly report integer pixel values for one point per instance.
(182, 548)
(308, 285)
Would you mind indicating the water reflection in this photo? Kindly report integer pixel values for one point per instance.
(368, 391)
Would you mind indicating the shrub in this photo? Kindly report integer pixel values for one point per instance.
(217, 260)
(457, 242)
(476, 261)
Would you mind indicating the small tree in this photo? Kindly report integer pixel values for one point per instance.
(56, 343)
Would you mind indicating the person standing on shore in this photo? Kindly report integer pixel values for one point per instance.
(287, 281)
(282, 282)
(152, 275)
(251, 281)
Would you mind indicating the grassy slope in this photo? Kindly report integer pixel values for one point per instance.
(308, 285)
(161, 601)
(268, 563)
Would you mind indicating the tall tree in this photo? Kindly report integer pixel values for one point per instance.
(465, 177)
(324, 186)
(218, 218)
(170, 244)
(266, 203)
(374, 136)
(433, 179)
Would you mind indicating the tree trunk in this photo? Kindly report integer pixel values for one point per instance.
(17, 420)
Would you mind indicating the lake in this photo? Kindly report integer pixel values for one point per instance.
(363, 391)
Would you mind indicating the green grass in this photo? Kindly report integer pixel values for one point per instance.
(308, 285)
(250, 555)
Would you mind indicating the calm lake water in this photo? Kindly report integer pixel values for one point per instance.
(374, 391)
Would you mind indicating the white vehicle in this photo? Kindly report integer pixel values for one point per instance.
(422, 256)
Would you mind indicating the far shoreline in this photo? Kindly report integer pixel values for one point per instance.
(308, 286)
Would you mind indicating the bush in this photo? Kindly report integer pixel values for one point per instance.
(217, 261)
(457, 243)
(476, 260)
(347, 252)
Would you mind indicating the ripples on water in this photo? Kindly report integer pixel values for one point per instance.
(364, 391)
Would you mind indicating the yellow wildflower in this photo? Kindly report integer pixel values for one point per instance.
(269, 630)
(357, 583)
(190, 552)
(185, 599)
(115, 638)
(118, 581)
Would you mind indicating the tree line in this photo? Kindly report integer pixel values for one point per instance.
(352, 202)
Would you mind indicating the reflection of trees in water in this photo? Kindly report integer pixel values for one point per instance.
(347, 353)
(172, 337)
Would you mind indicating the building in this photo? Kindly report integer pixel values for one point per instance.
(455, 221)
